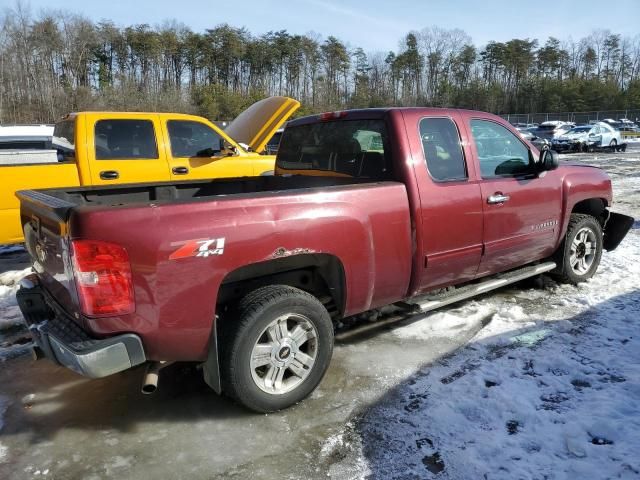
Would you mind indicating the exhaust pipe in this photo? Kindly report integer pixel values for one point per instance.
(150, 379)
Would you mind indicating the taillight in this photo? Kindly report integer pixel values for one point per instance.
(103, 278)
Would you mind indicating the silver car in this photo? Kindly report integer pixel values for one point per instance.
(588, 137)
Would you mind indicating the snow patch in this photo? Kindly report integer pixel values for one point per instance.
(9, 283)
(548, 389)
(4, 404)
(445, 324)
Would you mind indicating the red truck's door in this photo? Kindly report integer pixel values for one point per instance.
(450, 235)
(521, 209)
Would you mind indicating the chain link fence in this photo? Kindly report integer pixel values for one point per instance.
(576, 117)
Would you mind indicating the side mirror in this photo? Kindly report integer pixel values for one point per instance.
(227, 149)
(548, 160)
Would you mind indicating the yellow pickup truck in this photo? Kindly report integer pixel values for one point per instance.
(104, 148)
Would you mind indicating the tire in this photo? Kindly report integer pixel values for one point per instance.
(579, 255)
(613, 145)
(277, 349)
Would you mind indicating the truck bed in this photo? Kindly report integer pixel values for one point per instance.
(179, 192)
(360, 230)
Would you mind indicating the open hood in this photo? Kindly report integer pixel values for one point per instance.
(258, 123)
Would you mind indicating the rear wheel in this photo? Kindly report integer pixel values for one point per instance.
(613, 144)
(581, 250)
(277, 349)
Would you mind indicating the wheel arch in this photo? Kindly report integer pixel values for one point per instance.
(596, 207)
(322, 275)
(317, 273)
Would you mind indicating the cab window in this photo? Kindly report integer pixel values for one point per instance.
(500, 152)
(193, 139)
(442, 149)
(125, 139)
(356, 148)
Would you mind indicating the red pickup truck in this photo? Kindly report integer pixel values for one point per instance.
(249, 275)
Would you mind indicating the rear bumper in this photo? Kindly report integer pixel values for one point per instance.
(65, 343)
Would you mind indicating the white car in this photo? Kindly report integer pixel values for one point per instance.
(588, 137)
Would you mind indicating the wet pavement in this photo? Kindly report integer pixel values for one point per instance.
(70, 427)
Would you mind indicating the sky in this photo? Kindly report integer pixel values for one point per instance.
(374, 25)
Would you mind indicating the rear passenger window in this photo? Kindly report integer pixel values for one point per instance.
(125, 139)
(442, 149)
(500, 152)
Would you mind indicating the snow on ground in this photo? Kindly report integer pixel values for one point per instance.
(550, 388)
(9, 282)
(4, 404)
(13, 267)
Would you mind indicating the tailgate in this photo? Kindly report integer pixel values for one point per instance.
(44, 223)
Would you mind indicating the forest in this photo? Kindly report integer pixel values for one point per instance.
(55, 62)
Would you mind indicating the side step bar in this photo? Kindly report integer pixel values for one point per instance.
(427, 303)
(417, 305)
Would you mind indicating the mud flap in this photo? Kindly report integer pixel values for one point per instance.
(616, 228)
(211, 366)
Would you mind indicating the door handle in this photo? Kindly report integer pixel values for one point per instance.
(109, 175)
(498, 198)
(180, 170)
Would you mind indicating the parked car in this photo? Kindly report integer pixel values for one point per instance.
(100, 148)
(589, 137)
(549, 130)
(248, 276)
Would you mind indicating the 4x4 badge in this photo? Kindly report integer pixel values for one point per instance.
(199, 248)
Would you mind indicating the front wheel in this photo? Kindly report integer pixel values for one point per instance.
(580, 253)
(277, 350)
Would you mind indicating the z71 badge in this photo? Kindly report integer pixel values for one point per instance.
(199, 248)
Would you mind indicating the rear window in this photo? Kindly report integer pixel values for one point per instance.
(64, 140)
(125, 139)
(357, 148)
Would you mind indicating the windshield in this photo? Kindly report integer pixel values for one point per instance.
(356, 148)
(580, 130)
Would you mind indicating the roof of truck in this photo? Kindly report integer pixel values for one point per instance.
(367, 113)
